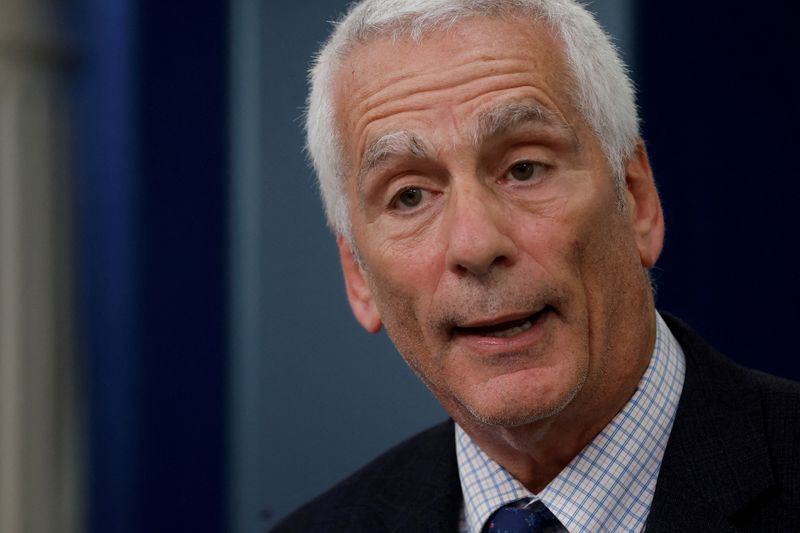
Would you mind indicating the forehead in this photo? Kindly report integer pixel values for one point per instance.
(450, 74)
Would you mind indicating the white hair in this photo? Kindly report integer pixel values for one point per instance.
(602, 91)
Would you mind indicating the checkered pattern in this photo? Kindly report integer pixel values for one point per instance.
(609, 486)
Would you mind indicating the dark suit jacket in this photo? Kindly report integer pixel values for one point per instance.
(732, 463)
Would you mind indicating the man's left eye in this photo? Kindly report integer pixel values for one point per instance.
(524, 170)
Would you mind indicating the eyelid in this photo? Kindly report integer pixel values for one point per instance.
(540, 168)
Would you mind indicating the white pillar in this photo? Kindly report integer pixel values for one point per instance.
(40, 454)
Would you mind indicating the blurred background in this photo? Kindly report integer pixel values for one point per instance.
(176, 351)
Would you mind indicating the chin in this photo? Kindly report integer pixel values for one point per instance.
(515, 415)
(506, 407)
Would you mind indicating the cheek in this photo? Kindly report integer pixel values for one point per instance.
(406, 276)
(401, 291)
(582, 249)
(405, 321)
(558, 245)
(589, 234)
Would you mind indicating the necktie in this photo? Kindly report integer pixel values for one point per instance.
(533, 518)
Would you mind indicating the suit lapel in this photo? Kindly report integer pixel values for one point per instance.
(439, 515)
(716, 461)
(431, 495)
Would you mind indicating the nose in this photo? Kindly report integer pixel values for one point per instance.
(478, 233)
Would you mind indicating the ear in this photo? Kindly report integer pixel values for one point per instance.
(358, 292)
(644, 206)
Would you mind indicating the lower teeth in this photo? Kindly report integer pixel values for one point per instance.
(511, 332)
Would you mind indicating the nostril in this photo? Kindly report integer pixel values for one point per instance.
(500, 260)
(481, 267)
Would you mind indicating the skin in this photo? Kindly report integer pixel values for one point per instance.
(457, 231)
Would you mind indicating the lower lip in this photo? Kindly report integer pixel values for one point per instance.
(525, 340)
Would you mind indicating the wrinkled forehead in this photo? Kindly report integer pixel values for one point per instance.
(382, 63)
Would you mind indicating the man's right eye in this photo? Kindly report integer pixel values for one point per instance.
(408, 198)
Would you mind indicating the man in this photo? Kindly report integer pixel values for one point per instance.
(495, 211)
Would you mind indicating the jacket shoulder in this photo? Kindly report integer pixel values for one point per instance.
(732, 447)
(382, 495)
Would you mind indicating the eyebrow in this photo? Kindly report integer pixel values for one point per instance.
(506, 117)
(395, 144)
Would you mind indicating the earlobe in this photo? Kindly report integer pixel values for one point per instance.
(358, 292)
(644, 206)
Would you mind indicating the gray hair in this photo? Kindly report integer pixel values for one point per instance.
(602, 92)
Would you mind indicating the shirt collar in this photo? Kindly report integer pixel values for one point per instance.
(609, 485)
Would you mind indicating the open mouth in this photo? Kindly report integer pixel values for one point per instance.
(503, 329)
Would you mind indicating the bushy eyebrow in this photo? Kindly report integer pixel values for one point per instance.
(506, 117)
(394, 144)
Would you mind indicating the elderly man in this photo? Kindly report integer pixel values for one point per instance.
(495, 211)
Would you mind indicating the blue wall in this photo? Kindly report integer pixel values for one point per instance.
(718, 92)
(106, 205)
(151, 93)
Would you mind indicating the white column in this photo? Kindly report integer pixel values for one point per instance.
(40, 454)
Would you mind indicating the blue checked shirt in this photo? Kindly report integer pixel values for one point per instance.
(609, 485)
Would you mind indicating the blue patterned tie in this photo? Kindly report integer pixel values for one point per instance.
(533, 518)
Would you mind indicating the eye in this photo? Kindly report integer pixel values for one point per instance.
(408, 198)
(525, 170)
